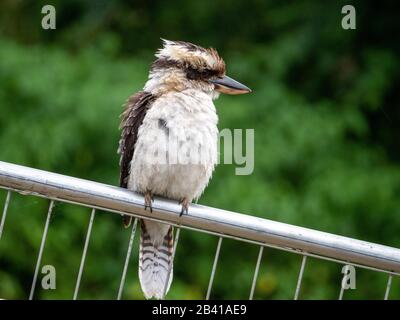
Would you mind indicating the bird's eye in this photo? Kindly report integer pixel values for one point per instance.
(207, 73)
(192, 74)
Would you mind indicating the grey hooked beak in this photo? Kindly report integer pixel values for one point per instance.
(229, 86)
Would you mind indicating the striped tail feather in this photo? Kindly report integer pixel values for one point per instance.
(155, 258)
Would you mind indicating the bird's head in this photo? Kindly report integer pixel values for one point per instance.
(182, 65)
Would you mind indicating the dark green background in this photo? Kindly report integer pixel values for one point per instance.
(325, 109)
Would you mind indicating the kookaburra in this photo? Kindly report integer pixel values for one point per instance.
(168, 144)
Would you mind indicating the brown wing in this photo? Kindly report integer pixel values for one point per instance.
(132, 118)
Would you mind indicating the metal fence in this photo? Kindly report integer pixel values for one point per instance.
(221, 223)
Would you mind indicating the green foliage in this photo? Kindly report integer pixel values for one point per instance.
(324, 108)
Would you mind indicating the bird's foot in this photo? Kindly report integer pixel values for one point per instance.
(127, 220)
(185, 206)
(148, 199)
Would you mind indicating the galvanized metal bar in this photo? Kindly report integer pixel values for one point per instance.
(253, 286)
(178, 230)
(388, 286)
(3, 217)
(127, 258)
(300, 278)
(88, 233)
(214, 268)
(215, 221)
(42, 243)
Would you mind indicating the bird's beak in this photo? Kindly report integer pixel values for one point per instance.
(229, 86)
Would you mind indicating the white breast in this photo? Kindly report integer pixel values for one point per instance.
(176, 150)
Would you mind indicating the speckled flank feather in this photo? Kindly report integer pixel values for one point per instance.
(155, 259)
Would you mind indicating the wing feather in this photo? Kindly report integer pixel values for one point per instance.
(132, 118)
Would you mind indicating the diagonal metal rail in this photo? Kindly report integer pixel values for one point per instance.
(224, 224)
(211, 220)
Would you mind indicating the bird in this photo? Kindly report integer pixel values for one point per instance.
(168, 145)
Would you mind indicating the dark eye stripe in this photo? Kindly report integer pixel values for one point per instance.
(194, 74)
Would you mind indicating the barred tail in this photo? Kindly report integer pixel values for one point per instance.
(155, 258)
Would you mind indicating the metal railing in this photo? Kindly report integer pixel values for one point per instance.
(224, 224)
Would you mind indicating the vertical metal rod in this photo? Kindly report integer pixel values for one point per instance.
(128, 256)
(89, 231)
(300, 278)
(178, 230)
(388, 286)
(213, 268)
(253, 286)
(3, 217)
(39, 259)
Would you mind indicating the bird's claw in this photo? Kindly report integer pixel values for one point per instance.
(148, 199)
(185, 206)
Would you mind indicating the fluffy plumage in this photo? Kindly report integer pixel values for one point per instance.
(169, 145)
